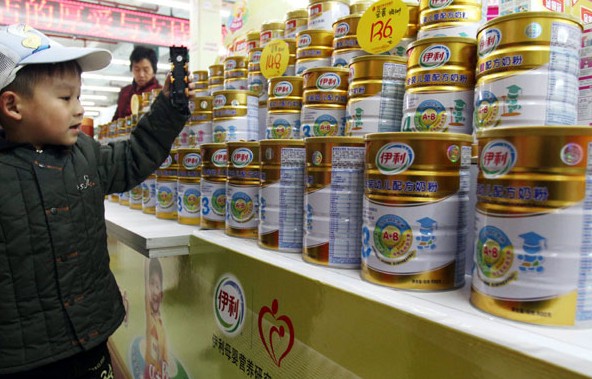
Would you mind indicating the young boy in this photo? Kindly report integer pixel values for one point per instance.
(59, 301)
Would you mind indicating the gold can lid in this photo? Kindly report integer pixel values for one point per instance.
(297, 13)
(273, 25)
(253, 35)
(386, 58)
(335, 139)
(359, 7)
(282, 142)
(442, 40)
(401, 136)
(547, 130)
(531, 16)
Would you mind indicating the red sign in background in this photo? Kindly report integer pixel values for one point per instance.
(93, 20)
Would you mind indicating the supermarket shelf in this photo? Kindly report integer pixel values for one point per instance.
(145, 233)
(568, 348)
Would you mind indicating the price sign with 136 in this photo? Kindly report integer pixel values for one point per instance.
(382, 26)
(275, 58)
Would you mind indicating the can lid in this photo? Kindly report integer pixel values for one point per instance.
(185, 150)
(532, 16)
(389, 58)
(213, 145)
(443, 40)
(235, 91)
(297, 13)
(345, 18)
(273, 25)
(277, 79)
(252, 35)
(322, 69)
(547, 130)
(281, 142)
(242, 143)
(335, 139)
(400, 136)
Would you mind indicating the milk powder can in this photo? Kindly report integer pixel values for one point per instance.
(416, 189)
(440, 84)
(333, 201)
(324, 99)
(281, 196)
(214, 158)
(242, 189)
(188, 186)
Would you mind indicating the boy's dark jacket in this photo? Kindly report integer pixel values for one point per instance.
(57, 294)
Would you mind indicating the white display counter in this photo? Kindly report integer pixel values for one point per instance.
(145, 233)
(454, 331)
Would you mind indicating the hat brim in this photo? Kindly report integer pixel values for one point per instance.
(89, 59)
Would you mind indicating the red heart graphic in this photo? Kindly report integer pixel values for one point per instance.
(277, 333)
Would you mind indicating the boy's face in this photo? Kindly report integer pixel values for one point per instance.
(52, 116)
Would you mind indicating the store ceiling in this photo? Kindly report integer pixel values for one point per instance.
(101, 88)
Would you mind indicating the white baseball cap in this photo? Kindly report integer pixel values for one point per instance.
(21, 45)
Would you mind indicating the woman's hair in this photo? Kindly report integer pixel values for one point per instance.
(29, 76)
(143, 52)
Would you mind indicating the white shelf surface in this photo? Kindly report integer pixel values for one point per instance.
(151, 236)
(570, 348)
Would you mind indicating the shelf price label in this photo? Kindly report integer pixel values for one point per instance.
(274, 58)
(382, 26)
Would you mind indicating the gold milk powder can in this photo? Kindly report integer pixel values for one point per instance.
(269, 31)
(440, 83)
(235, 116)
(149, 195)
(415, 209)
(345, 42)
(527, 70)
(333, 201)
(200, 81)
(451, 18)
(235, 73)
(284, 106)
(166, 188)
(376, 91)
(324, 99)
(323, 13)
(214, 157)
(242, 189)
(314, 49)
(533, 229)
(296, 21)
(281, 196)
(188, 186)
(199, 128)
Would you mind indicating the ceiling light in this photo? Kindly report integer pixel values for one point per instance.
(126, 79)
(91, 113)
(87, 103)
(101, 88)
(93, 97)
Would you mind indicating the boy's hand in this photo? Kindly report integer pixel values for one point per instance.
(166, 88)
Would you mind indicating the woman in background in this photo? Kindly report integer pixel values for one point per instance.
(143, 62)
